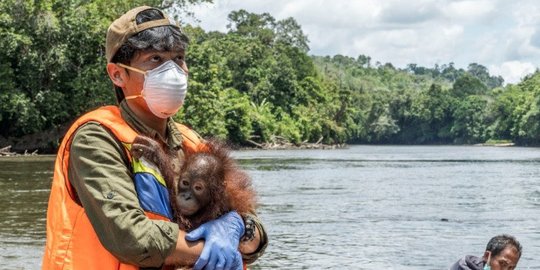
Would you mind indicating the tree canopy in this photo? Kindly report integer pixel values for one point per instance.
(255, 83)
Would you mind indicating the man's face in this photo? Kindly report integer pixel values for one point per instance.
(148, 60)
(144, 61)
(506, 260)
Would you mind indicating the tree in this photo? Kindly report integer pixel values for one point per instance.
(526, 112)
(383, 128)
(258, 26)
(289, 32)
(53, 60)
(482, 73)
(256, 82)
(431, 116)
(469, 120)
(467, 85)
(505, 111)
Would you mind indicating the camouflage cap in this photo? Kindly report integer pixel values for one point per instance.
(126, 26)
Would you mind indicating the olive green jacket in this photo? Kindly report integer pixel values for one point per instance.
(99, 170)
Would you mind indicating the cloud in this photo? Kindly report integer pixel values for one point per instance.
(535, 38)
(502, 34)
(340, 14)
(409, 12)
(512, 71)
(467, 11)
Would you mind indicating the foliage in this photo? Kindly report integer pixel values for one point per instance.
(469, 125)
(255, 83)
(53, 60)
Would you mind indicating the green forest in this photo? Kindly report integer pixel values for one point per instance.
(255, 83)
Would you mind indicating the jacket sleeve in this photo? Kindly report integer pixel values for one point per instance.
(100, 173)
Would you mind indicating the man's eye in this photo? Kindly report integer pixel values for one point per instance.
(156, 58)
(179, 59)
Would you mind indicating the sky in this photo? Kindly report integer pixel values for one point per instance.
(502, 35)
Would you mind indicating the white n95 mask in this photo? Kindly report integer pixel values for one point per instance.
(164, 88)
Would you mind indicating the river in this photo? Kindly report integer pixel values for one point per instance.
(365, 207)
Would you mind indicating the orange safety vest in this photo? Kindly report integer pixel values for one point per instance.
(72, 242)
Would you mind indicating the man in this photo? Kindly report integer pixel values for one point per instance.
(108, 210)
(502, 253)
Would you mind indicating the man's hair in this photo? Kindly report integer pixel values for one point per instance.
(498, 243)
(161, 38)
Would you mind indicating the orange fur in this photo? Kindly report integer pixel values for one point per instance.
(230, 187)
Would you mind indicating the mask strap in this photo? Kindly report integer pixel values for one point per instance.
(133, 97)
(136, 70)
(132, 68)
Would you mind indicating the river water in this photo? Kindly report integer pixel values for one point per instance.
(365, 207)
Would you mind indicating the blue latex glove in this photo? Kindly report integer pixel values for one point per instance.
(221, 238)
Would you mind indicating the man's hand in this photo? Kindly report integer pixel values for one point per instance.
(221, 238)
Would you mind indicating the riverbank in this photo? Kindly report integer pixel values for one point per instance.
(6, 152)
(283, 144)
(46, 142)
(498, 143)
(49, 141)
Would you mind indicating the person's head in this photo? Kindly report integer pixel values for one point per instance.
(141, 40)
(502, 252)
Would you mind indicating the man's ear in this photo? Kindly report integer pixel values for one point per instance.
(117, 74)
(184, 67)
(487, 256)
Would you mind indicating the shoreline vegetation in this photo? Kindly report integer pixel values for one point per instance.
(278, 143)
(48, 142)
(6, 152)
(498, 143)
(45, 143)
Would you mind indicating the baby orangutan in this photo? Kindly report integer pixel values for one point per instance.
(209, 185)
